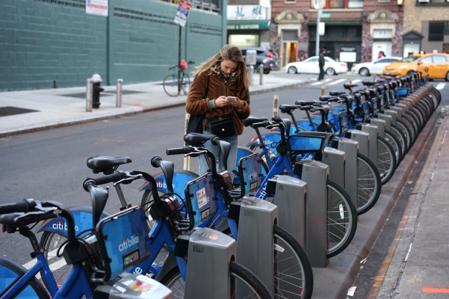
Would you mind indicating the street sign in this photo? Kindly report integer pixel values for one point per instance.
(325, 15)
(182, 13)
(321, 28)
(97, 7)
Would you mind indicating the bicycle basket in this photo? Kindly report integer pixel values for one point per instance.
(200, 193)
(124, 240)
(250, 173)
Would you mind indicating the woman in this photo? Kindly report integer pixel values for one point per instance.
(220, 91)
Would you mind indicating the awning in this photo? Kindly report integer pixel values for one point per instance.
(249, 25)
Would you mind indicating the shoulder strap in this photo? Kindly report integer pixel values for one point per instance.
(207, 87)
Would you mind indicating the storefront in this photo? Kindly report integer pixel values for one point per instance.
(249, 25)
(288, 31)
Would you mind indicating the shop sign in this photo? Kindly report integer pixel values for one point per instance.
(248, 12)
(248, 25)
(97, 7)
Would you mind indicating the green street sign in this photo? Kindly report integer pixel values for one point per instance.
(325, 15)
(249, 24)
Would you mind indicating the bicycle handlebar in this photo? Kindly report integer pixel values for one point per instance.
(180, 150)
(26, 205)
(112, 178)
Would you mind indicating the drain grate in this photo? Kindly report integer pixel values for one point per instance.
(82, 95)
(10, 110)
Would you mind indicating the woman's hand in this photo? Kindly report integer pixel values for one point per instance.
(221, 102)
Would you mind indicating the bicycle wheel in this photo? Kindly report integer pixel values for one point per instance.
(9, 272)
(50, 243)
(368, 184)
(293, 272)
(341, 219)
(185, 83)
(248, 283)
(405, 132)
(386, 159)
(400, 138)
(395, 145)
(170, 84)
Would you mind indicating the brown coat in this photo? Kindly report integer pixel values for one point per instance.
(197, 101)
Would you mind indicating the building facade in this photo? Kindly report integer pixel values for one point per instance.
(48, 44)
(354, 30)
(426, 26)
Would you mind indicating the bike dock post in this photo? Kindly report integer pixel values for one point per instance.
(290, 197)
(363, 139)
(387, 118)
(373, 132)
(315, 174)
(335, 159)
(381, 125)
(350, 147)
(209, 254)
(255, 241)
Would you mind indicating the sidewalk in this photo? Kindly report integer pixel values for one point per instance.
(420, 265)
(65, 106)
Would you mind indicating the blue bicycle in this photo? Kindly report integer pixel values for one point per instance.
(86, 278)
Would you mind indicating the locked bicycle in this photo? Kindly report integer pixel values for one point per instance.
(177, 82)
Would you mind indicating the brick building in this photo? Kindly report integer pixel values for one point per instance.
(426, 26)
(355, 30)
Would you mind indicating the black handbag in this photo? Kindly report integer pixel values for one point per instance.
(222, 127)
(195, 124)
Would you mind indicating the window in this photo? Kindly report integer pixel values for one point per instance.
(436, 31)
(427, 59)
(314, 59)
(289, 35)
(355, 4)
(439, 59)
(336, 4)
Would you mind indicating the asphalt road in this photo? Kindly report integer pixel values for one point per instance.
(51, 165)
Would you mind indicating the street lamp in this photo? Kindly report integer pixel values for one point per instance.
(318, 6)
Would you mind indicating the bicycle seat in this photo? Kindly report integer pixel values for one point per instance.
(13, 221)
(305, 103)
(328, 98)
(369, 83)
(337, 93)
(349, 86)
(199, 139)
(106, 164)
(252, 120)
(288, 108)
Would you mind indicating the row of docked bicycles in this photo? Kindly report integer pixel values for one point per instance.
(228, 232)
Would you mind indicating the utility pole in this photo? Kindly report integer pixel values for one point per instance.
(318, 16)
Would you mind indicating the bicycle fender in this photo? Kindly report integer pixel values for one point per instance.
(82, 218)
(169, 264)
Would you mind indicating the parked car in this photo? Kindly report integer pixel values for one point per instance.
(310, 66)
(374, 67)
(264, 57)
(432, 66)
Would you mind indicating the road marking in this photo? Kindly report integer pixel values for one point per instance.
(440, 86)
(435, 291)
(356, 81)
(321, 82)
(337, 82)
(51, 255)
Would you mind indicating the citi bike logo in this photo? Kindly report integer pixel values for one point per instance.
(128, 242)
(62, 226)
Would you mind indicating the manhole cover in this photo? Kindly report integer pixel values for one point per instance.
(9, 110)
(82, 95)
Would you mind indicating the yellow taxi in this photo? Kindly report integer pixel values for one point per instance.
(432, 66)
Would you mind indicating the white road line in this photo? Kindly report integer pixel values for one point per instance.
(337, 82)
(356, 81)
(321, 82)
(440, 86)
(31, 263)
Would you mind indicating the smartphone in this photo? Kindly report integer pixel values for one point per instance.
(231, 98)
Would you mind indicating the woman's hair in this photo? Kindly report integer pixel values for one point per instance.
(228, 52)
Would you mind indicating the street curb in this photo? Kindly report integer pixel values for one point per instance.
(125, 114)
(335, 280)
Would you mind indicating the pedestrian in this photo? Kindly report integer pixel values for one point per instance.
(381, 55)
(321, 66)
(219, 92)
